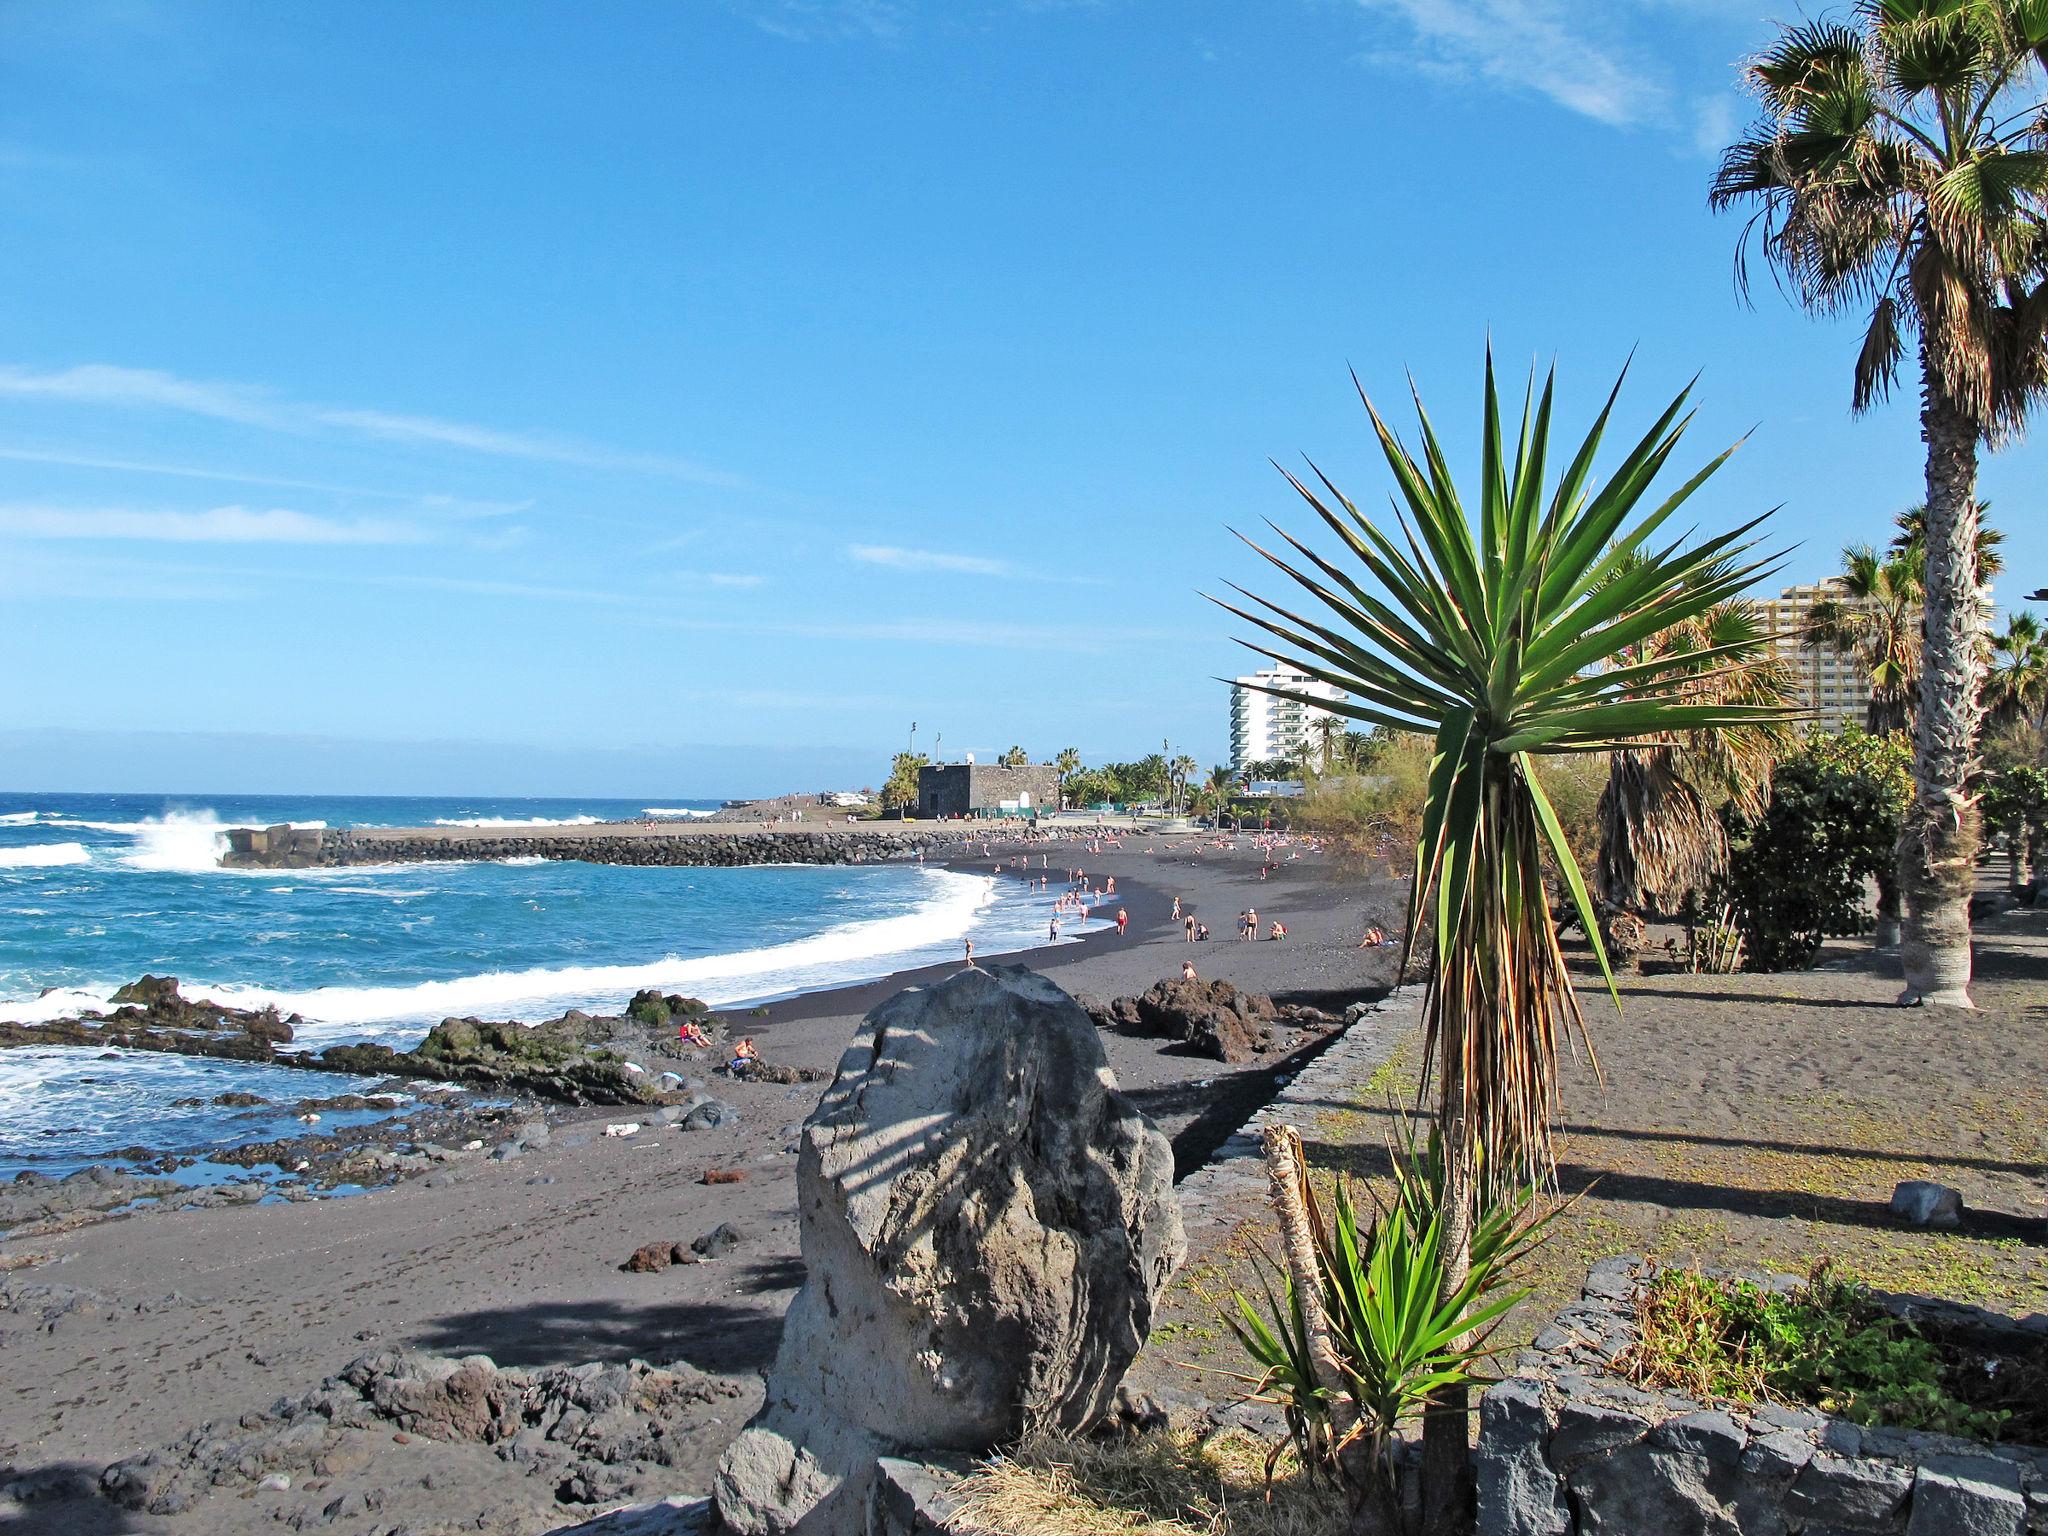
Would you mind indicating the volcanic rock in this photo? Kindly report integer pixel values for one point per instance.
(986, 1224)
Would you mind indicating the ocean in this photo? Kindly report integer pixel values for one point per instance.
(97, 889)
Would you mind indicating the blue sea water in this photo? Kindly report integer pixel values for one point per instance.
(97, 889)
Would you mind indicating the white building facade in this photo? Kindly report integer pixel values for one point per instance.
(1263, 727)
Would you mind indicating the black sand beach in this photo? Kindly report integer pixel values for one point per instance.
(123, 1335)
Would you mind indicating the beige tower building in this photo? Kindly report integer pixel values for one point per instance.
(1832, 685)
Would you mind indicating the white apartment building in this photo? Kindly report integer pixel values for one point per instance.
(1832, 684)
(1264, 727)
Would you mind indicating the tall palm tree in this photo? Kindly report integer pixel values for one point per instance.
(1661, 835)
(1901, 164)
(1877, 620)
(1329, 733)
(1490, 639)
(1178, 772)
(1066, 765)
(2016, 684)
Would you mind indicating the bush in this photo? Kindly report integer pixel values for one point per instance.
(1825, 1343)
(1377, 811)
(1796, 873)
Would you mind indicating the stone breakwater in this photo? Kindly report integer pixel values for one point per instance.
(306, 848)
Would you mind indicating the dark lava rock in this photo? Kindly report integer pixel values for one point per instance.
(1213, 1018)
(720, 1241)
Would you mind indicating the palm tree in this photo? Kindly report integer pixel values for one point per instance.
(1180, 770)
(1661, 835)
(1491, 640)
(1329, 733)
(1015, 757)
(1902, 164)
(1222, 781)
(1877, 619)
(2016, 684)
(1911, 539)
(1066, 765)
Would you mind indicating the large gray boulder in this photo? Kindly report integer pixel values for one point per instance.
(986, 1225)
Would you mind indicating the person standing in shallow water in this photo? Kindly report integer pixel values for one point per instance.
(970, 954)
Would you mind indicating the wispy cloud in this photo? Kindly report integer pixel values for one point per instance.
(216, 525)
(734, 581)
(804, 21)
(897, 558)
(107, 384)
(1610, 60)
(933, 561)
(432, 501)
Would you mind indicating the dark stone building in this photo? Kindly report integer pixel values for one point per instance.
(984, 789)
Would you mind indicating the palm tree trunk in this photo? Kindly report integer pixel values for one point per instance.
(1938, 849)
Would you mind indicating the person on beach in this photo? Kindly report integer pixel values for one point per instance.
(1176, 909)
(743, 1053)
(1187, 971)
(970, 955)
(691, 1033)
(1279, 930)
(1055, 928)
(1189, 924)
(1251, 923)
(1123, 921)
(1201, 933)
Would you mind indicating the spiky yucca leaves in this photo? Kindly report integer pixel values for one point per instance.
(1491, 633)
(1660, 826)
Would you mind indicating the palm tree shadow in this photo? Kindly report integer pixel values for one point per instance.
(722, 1337)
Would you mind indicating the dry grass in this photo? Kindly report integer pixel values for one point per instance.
(1160, 1484)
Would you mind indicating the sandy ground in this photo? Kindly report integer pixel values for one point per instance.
(1750, 1121)
(519, 1260)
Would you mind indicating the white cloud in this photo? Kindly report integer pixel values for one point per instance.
(149, 388)
(899, 559)
(1614, 61)
(216, 525)
(429, 501)
(732, 580)
(803, 21)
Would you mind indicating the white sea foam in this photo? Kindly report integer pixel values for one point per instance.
(44, 856)
(518, 821)
(16, 818)
(845, 953)
(179, 842)
(685, 811)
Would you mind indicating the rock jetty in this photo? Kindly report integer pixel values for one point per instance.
(286, 847)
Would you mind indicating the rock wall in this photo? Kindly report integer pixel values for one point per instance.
(1566, 1449)
(287, 848)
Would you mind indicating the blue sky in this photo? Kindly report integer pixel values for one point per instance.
(481, 384)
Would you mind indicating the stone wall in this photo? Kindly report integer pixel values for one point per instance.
(282, 848)
(961, 789)
(1566, 1449)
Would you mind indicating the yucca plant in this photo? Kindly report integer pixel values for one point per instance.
(1395, 1333)
(1490, 626)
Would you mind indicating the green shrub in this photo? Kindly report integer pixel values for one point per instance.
(1796, 873)
(1825, 1343)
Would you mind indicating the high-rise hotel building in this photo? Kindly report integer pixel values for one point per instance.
(1263, 727)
